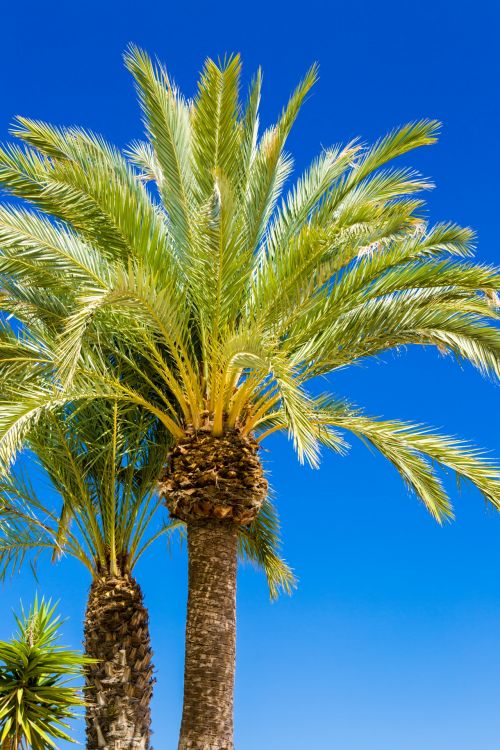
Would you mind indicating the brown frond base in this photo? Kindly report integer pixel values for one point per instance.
(214, 478)
(120, 685)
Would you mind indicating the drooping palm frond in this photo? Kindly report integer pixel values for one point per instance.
(102, 463)
(259, 544)
(413, 449)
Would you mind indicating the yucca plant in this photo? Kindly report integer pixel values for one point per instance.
(175, 278)
(37, 697)
(103, 463)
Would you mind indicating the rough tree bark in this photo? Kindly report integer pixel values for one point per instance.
(207, 718)
(119, 686)
(214, 484)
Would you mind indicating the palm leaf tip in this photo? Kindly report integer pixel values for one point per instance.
(260, 544)
(415, 451)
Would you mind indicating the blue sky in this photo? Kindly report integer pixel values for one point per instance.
(392, 641)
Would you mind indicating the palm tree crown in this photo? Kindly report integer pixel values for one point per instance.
(103, 464)
(209, 301)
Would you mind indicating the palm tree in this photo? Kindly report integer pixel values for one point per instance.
(174, 277)
(103, 463)
(36, 700)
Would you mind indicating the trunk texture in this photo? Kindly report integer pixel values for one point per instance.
(120, 684)
(214, 484)
(207, 718)
(214, 477)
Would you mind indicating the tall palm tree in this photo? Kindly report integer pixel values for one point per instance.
(36, 697)
(174, 277)
(103, 463)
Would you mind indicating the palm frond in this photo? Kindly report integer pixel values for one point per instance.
(167, 120)
(414, 450)
(260, 544)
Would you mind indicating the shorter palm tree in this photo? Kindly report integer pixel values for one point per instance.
(36, 696)
(104, 462)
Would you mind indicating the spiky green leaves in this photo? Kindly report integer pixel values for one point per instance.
(166, 116)
(36, 696)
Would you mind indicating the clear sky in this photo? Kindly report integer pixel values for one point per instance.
(392, 641)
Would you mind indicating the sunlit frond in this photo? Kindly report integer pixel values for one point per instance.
(260, 544)
(167, 119)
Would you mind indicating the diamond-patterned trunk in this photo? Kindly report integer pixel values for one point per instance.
(207, 716)
(214, 484)
(120, 684)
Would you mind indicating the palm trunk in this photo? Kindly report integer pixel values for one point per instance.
(119, 686)
(216, 485)
(207, 719)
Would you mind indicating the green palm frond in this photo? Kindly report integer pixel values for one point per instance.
(23, 535)
(215, 125)
(39, 253)
(259, 543)
(104, 464)
(166, 116)
(415, 451)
